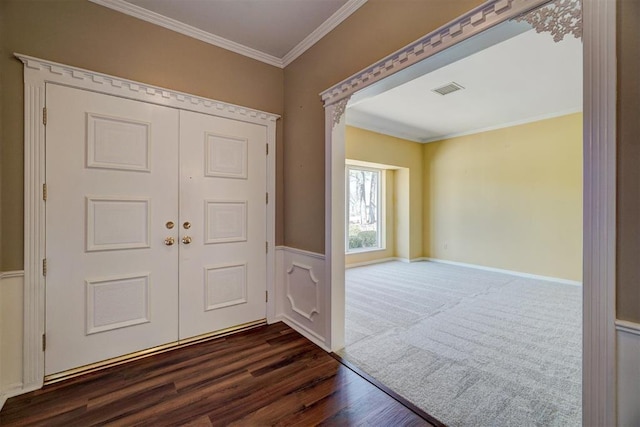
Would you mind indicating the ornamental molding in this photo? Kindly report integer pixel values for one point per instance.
(77, 77)
(339, 108)
(471, 23)
(560, 18)
(301, 290)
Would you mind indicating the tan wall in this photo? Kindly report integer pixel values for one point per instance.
(628, 241)
(509, 198)
(377, 29)
(83, 34)
(373, 147)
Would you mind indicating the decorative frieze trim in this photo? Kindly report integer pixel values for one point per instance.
(473, 22)
(560, 18)
(60, 73)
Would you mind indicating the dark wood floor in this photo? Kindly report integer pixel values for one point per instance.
(267, 376)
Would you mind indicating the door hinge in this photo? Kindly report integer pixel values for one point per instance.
(44, 116)
(44, 342)
(44, 192)
(44, 267)
(267, 198)
(266, 296)
(267, 148)
(266, 247)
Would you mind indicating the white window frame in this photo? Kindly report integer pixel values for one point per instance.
(381, 229)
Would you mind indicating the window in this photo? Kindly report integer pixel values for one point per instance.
(364, 224)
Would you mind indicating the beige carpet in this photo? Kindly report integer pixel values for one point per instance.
(470, 347)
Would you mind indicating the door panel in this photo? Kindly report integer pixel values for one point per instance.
(112, 178)
(222, 196)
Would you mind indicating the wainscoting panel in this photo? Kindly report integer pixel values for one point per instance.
(628, 373)
(301, 292)
(11, 289)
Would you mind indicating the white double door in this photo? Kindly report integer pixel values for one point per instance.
(155, 226)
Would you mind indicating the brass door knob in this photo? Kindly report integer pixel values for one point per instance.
(186, 240)
(169, 241)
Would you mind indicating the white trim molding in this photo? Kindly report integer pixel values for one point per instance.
(628, 327)
(503, 271)
(11, 274)
(599, 248)
(37, 74)
(599, 237)
(333, 21)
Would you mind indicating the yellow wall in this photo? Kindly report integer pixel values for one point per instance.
(509, 198)
(373, 147)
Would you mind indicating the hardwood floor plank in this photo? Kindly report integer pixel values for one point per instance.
(270, 375)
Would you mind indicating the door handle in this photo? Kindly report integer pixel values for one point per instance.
(169, 241)
(186, 240)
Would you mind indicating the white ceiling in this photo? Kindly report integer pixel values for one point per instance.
(525, 78)
(272, 31)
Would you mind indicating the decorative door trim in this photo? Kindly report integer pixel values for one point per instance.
(39, 72)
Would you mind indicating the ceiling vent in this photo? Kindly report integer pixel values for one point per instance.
(448, 88)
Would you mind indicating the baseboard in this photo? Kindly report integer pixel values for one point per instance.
(305, 332)
(10, 391)
(510, 272)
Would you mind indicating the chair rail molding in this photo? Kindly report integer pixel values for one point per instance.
(37, 74)
(599, 46)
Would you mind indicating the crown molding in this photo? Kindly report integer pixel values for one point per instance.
(333, 21)
(196, 33)
(155, 18)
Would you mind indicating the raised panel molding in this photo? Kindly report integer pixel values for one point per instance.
(226, 156)
(297, 270)
(118, 143)
(117, 223)
(225, 221)
(225, 285)
(117, 302)
(302, 290)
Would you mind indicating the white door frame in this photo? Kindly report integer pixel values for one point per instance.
(599, 210)
(38, 72)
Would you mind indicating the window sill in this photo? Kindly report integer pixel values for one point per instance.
(364, 250)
